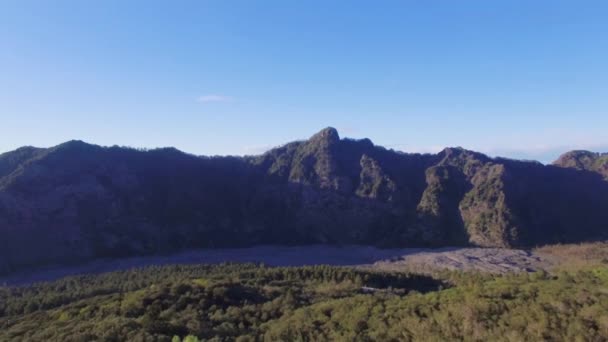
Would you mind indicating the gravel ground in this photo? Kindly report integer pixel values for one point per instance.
(414, 259)
(492, 260)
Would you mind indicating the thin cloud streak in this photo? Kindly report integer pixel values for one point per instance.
(256, 150)
(214, 98)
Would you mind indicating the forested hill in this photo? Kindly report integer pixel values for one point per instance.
(317, 303)
(77, 201)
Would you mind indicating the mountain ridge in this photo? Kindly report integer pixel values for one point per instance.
(82, 201)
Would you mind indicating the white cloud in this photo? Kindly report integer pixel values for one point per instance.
(214, 98)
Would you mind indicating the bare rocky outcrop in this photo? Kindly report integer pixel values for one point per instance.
(438, 211)
(373, 182)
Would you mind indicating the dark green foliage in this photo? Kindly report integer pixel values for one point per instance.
(222, 301)
(235, 302)
(535, 307)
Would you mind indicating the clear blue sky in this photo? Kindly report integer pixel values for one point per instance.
(525, 79)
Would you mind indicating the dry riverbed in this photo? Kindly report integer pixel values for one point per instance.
(424, 260)
(492, 260)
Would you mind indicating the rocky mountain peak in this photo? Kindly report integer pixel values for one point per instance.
(327, 136)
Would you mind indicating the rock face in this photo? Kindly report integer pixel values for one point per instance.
(78, 201)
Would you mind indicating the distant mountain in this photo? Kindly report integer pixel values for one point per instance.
(78, 201)
(585, 160)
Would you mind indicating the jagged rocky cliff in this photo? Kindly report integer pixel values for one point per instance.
(78, 201)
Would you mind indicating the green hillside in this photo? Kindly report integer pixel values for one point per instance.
(254, 303)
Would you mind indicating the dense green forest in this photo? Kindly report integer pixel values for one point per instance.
(246, 302)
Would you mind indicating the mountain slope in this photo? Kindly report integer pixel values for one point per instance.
(78, 201)
(585, 160)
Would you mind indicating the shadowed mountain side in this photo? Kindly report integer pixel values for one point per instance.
(78, 201)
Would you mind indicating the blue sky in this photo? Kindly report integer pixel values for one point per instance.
(523, 79)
